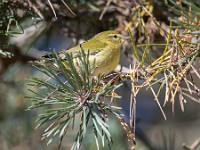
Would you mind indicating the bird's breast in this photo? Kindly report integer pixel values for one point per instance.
(106, 60)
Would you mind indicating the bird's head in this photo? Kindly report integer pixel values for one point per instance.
(109, 37)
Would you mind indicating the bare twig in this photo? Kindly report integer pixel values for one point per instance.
(68, 7)
(52, 8)
(194, 145)
(105, 8)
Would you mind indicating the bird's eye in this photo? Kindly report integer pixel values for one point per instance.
(115, 36)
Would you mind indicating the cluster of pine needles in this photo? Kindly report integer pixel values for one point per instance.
(171, 71)
(75, 94)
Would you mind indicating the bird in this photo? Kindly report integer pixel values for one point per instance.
(103, 48)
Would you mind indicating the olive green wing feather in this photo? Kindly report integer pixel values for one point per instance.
(92, 46)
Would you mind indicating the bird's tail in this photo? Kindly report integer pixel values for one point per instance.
(46, 60)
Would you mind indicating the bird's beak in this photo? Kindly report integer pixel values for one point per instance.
(124, 38)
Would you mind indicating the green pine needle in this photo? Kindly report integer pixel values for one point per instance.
(69, 94)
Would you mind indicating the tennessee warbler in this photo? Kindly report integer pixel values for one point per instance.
(104, 49)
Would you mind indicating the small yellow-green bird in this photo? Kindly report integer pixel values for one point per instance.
(104, 49)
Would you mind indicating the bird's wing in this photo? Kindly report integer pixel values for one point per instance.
(93, 46)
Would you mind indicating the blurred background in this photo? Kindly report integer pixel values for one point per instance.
(29, 29)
